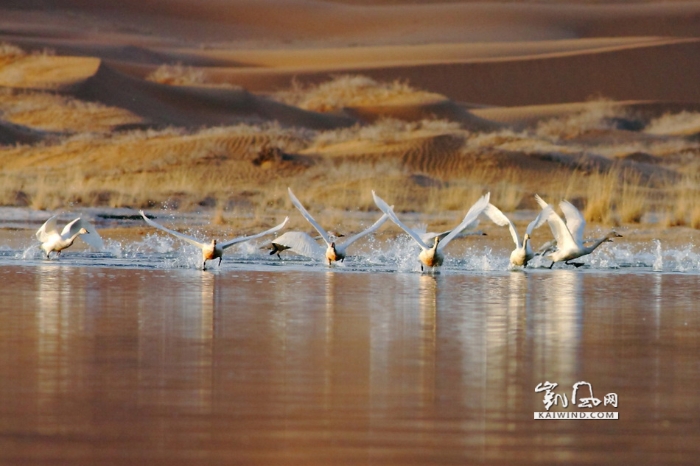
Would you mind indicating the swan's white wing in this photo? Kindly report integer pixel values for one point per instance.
(384, 207)
(182, 236)
(231, 242)
(301, 243)
(91, 238)
(369, 230)
(472, 214)
(499, 218)
(540, 201)
(574, 220)
(556, 224)
(539, 220)
(561, 233)
(308, 217)
(429, 236)
(47, 229)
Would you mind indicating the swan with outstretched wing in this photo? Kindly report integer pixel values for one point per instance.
(213, 249)
(335, 251)
(432, 256)
(569, 235)
(54, 241)
(523, 252)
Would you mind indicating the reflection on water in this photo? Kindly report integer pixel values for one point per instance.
(557, 325)
(181, 367)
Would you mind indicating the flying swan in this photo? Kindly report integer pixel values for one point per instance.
(432, 256)
(569, 236)
(212, 249)
(523, 252)
(334, 251)
(53, 241)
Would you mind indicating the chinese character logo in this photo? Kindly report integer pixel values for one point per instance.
(579, 389)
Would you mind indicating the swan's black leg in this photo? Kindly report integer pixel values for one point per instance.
(551, 265)
(220, 261)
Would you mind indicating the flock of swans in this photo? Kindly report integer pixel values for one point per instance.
(568, 243)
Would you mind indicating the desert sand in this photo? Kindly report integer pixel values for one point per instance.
(221, 105)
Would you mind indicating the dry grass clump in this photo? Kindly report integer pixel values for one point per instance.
(597, 116)
(601, 197)
(633, 201)
(10, 51)
(179, 75)
(142, 168)
(682, 123)
(616, 196)
(351, 91)
(612, 197)
(684, 200)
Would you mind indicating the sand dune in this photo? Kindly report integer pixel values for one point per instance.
(342, 96)
(329, 22)
(42, 71)
(646, 71)
(194, 107)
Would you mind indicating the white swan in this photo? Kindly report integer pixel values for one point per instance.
(523, 252)
(432, 256)
(212, 249)
(569, 236)
(334, 251)
(53, 241)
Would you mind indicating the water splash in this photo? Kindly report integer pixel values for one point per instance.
(658, 265)
(398, 254)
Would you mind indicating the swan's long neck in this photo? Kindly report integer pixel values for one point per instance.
(598, 242)
(69, 241)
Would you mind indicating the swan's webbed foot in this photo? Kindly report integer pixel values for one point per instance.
(575, 264)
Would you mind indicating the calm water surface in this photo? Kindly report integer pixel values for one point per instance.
(111, 366)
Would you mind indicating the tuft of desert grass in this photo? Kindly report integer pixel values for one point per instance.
(600, 197)
(597, 116)
(633, 201)
(177, 75)
(348, 91)
(683, 202)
